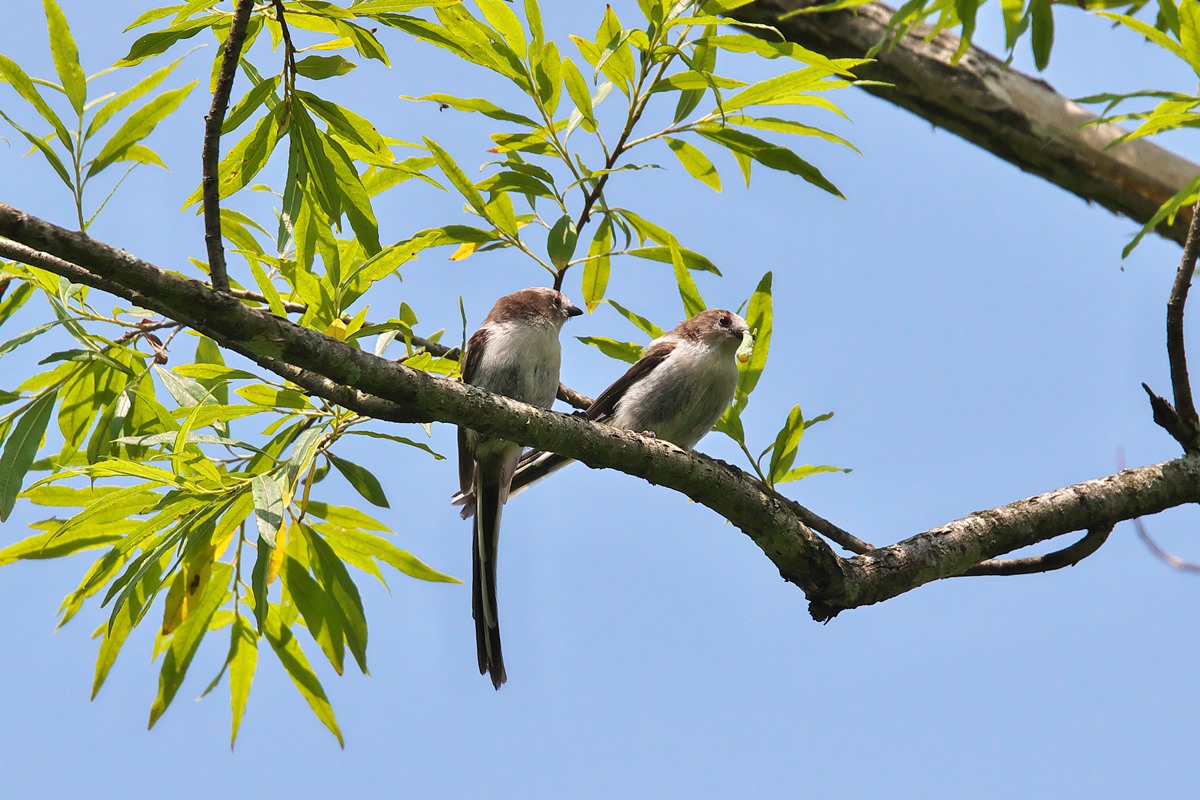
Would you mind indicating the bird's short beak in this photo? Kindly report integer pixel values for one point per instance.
(574, 311)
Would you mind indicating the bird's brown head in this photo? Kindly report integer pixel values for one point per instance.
(715, 326)
(535, 306)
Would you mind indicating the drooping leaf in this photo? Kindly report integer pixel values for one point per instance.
(695, 162)
(363, 481)
(20, 448)
(186, 640)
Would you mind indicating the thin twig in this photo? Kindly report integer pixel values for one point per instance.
(210, 157)
(1180, 384)
(827, 529)
(1067, 557)
(1170, 559)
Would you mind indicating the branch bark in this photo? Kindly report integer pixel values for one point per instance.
(368, 384)
(211, 153)
(1020, 119)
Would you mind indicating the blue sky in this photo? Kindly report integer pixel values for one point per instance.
(975, 333)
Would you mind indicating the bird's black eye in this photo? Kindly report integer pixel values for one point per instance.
(725, 321)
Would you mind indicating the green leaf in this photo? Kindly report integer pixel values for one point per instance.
(628, 352)
(263, 395)
(243, 660)
(186, 639)
(363, 481)
(691, 258)
(577, 89)
(768, 154)
(547, 75)
(118, 631)
(319, 68)
(695, 162)
(1189, 33)
(810, 469)
(502, 18)
(140, 124)
(597, 266)
(249, 103)
(319, 610)
(45, 149)
(12, 72)
(351, 129)
(399, 440)
(154, 43)
(643, 324)
(49, 545)
(693, 303)
(783, 452)
(760, 318)
(1186, 196)
(1042, 18)
(469, 104)
(66, 56)
(457, 177)
(244, 160)
(287, 648)
(343, 539)
(694, 80)
(560, 244)
(121, 101)
(1147, 30)
(20, 449)
(333, 576)
(268, 507)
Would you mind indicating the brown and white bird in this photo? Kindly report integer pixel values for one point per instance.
(515, 353)
(677, 391)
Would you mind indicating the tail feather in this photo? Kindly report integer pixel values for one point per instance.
(533, 467)
(483, 580)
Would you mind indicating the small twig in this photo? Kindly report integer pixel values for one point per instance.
(1170, 559)
(1180, 384)
(289, 50)
(826, 528)
(1067, 557)
(210, 157)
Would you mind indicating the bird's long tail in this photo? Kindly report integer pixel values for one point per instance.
(532, 468)
(483, 577)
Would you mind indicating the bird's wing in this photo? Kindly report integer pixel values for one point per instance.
(605, 405)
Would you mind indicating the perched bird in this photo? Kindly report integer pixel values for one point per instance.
(676, 391)
(515, 353)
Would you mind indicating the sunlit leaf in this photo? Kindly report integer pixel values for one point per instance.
(21, 447)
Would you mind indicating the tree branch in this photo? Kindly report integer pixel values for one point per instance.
(348, 376)
(1067, 557)
(211, 154)
(1021, 119)
(1181, 385)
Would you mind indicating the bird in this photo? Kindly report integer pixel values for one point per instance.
(676, 391)
(515, 353)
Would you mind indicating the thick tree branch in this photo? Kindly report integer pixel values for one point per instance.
(348, 376)
(211, 154)
(958, 546)
(1011, 115)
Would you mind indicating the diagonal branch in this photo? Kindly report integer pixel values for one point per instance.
(349, 376)
(1018, 118)
(211, 154)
